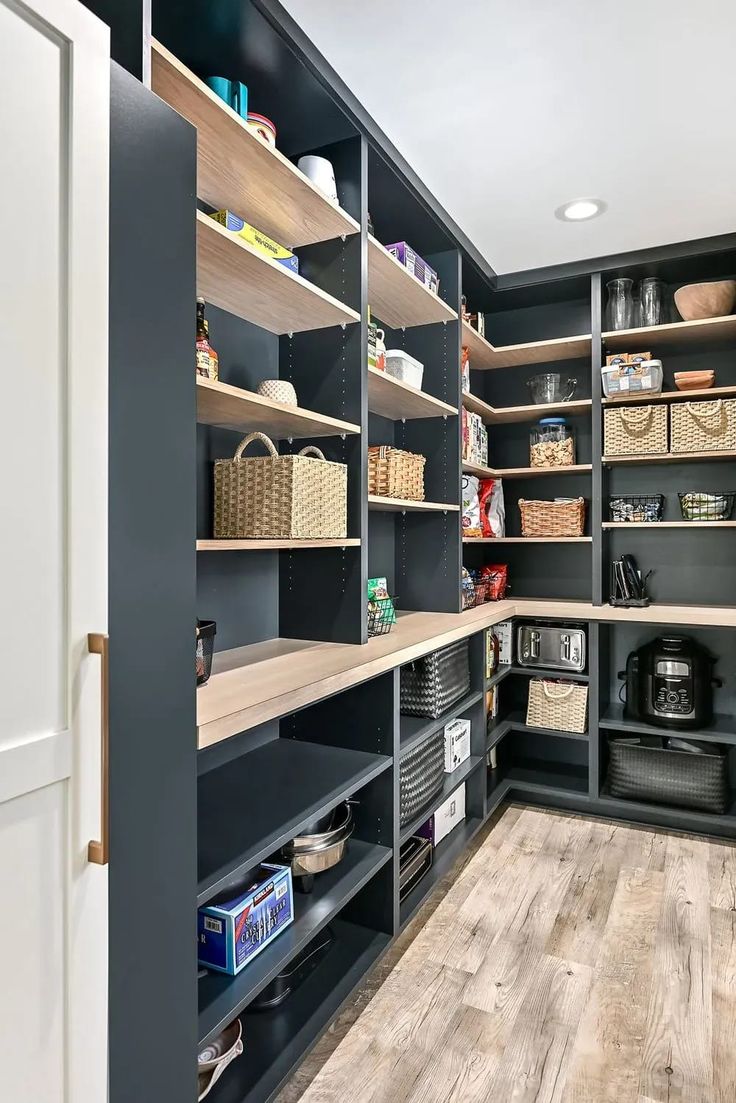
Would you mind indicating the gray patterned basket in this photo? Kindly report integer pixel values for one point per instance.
(421, 776)
(679, 778)
(431, 685)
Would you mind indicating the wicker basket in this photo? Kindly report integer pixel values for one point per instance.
(558, 706)
(635, 431)
(666, 776)
(273, 496)
(703, 426)
(547, 518)
(421, 776)
(393, 473)
(433, 684)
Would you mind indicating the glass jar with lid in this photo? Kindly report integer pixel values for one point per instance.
(552, 443)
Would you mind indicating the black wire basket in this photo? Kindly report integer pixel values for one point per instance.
(636, 508)
(698, 505)
(381, 615)
(475, 592)
(205, 646)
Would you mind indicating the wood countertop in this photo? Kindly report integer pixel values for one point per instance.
(254, 684)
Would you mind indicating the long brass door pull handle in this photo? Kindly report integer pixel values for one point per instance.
(98, 850)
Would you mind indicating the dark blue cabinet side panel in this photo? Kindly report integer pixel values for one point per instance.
(152, 600)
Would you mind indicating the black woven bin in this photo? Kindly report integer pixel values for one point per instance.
(421, 776)
(431, 685)
(665, 776)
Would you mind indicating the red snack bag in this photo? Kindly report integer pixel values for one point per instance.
(497, 575)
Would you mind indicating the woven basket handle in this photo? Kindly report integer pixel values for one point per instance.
(636, 417)
(696, 409)
(266, 441)
(564, 691)
(313, 450)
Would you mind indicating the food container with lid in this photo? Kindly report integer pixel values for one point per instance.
(552, 443)
(624, 377)
(400, 365)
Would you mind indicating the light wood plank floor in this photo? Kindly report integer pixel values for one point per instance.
(572, 961)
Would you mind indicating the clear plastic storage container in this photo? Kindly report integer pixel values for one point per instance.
(552, 443)
(636, 377)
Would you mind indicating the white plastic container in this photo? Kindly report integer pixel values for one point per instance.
(620, 380)
(400, 365)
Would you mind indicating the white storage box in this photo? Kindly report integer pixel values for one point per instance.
(457, 744)
(449, 815)
(400, 365)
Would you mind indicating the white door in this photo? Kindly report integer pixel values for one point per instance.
(54, 197)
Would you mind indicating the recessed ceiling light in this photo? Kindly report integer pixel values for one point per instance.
(579, 210)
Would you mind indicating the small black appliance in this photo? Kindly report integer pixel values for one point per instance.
(669, 683)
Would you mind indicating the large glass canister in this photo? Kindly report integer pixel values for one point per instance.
(552, 443)
(620, 305)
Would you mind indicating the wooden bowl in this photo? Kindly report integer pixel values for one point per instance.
(706, 300)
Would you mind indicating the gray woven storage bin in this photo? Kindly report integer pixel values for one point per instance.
(664, 776)
(431, 685)
(421, 776)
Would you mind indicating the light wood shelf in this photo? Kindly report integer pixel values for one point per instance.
(228, 407)
(392, 399)
(524, 472)
(670, 396)
(669, 457)
(484, 356)
(702, 331)
(396, 297)
(528, 540)
(251, 685)
(239, 171)
(401, 505)
(505, 415)
(233, 275)
(633, 525)
(272, 545)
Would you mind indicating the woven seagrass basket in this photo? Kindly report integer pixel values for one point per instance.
(560, 707)
(703, 426)
(633, 432)
(547, 518)
(394, 473)
(302, 497)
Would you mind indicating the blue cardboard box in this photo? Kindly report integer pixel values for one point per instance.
(231, 933)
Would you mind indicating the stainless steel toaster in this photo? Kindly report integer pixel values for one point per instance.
(555, 647)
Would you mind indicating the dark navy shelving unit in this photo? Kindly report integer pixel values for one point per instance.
(187, 824)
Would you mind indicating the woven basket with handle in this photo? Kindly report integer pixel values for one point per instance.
(632, 432)
(545, 518)
(558, 706)
(302, 497)
(703, 426)
(393, 473)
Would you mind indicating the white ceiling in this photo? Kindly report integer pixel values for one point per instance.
(509, 108)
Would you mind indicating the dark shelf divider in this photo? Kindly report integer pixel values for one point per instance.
(222, 997)
(446, 854)
(279, 1039)
(252, 806)
(452, 782)
(414, 729)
